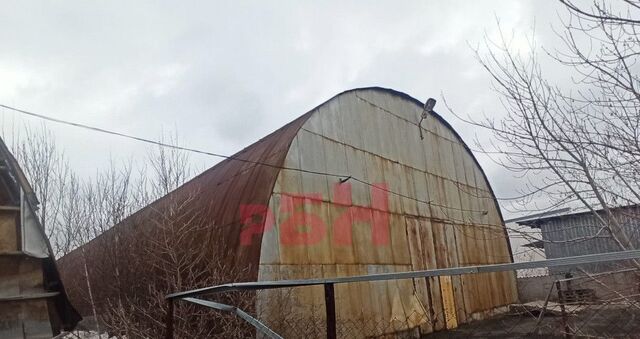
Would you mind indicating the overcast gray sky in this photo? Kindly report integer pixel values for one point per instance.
(224, 74)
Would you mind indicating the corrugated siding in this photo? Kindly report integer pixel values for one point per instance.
(378, 145)
(583, 234)
(350, 135)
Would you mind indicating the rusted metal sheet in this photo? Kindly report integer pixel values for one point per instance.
(222, 191)
(380, 145)
(370, 135)
(448, 302)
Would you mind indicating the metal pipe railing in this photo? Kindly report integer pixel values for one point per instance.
(329, 283)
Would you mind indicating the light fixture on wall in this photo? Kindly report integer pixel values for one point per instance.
(428, 108)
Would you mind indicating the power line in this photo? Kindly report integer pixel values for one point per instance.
(230, 157)
(102, 130)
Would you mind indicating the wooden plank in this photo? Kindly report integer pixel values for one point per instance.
(8, 233)
(448, 302)
(428, 235)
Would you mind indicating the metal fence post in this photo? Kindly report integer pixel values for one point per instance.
(169, 320)
(330, 305)
(563, 311)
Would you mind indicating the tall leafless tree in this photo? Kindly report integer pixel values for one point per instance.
(48, 170)
(579, 143)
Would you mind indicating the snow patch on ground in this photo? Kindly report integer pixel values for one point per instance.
(85, 335)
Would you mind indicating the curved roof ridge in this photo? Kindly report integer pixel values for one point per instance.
(240, 179)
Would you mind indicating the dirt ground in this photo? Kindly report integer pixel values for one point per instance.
(600, 321)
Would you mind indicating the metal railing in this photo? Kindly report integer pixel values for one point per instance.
(329, 294)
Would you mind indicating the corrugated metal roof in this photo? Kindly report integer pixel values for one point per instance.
(536, 216)
(538, 219)
(222, 189)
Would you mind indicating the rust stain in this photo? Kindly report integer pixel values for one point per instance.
(448, 302)
(421, 236)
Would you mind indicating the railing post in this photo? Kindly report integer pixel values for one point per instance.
(330, 305)
(169, 320)
(563, 311)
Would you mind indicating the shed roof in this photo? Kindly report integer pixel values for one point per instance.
(537, 220)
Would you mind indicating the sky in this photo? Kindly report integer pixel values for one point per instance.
(224, 74)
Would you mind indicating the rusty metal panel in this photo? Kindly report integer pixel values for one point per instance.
(436, 195)
(419, 252)
(422, 193)
(393, 177)
(399, 241)
(351, 121)
(358, 167)
(372, 135)
(457, 155)
(335, 158)
(288, 181)
(432, 154)
(448, 302)
(312, 157)
(446, 159)
(223, 190)
(438, 174)
(331, 120)
(380, 145)
(423, 256)
(320, 251)
(453, 207)
(407, 189)
(270, 254)
(470, 170)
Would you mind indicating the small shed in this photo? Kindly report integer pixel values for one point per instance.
(582, 232)
(33, 303)
(358, 185)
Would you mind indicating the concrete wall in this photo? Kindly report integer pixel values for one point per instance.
(606, 285)
(519, 236)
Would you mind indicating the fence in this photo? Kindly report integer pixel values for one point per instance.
(571, 306)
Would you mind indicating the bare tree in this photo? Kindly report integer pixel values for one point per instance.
(49, 173)
(140, 258)
(166, 254)
(579, 144)
(170, 167)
